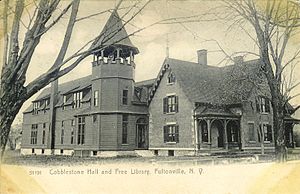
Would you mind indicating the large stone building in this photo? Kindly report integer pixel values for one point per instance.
(189, 108)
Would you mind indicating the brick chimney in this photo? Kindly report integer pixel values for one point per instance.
(202, 57)
(238, 60)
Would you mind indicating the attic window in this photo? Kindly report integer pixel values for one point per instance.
(77, 98)
(171, 78)
(36, 106)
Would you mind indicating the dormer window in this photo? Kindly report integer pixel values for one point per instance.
(171, 78)
(36, 106)
(47, 102)
(77, 98)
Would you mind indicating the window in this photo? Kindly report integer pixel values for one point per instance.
(171, 78)
(96, 98)
(170, 152)
(266, 129)
(262, 105)
(204, 131)
(125, 97)
(72, 135)
(170, 104)
(124, 129)
(251, 131)
(43, 138)
(171, 133)
(77, 97)
(33, 137)
(62, 135)
(47, 102)
(62, 123)
(36, 106)
(232, 131)
(81, 128)
(65, 102)
(44, 125)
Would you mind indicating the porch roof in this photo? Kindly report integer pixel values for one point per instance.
(217, 112)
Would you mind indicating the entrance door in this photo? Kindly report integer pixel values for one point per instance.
(142, 136)
(220, 137)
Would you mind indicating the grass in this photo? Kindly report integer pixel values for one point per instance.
(14, 158)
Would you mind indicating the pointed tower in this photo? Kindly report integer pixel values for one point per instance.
(113, 74)
(117, 42)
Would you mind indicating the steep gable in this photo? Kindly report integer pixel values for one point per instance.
(214, 85)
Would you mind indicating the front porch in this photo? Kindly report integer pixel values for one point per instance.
(218, 134)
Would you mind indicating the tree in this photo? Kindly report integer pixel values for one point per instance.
(15, 136)
(274, 23)
(17, 57)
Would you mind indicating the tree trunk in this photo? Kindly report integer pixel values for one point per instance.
(280, 147)
(277, 105)
(12, 99)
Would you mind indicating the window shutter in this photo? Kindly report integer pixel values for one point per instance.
(176, 103)
(269, 128)
(267, 105)
(165, 133)
(177, 134)
(257, 104)
(259, 133)
(165, 101)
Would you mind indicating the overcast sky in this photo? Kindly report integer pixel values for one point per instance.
(184, 40)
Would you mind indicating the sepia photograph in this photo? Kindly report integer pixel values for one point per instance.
(150, 96)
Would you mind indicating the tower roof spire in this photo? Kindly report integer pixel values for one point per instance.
(115, 34)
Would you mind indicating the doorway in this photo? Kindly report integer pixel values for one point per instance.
(142, 133)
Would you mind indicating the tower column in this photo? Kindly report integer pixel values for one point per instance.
(102, 57)
(131, 56)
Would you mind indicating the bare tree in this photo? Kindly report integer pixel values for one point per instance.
(275, 23)
(17, 57)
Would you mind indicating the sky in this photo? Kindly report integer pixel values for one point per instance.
(183, 40)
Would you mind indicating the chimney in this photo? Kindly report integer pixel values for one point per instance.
(238, 60)
(202, 57)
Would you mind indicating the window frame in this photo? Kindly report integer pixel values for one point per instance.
(263, 105)
(267, 131)
(77, 98)
(34, 134)
(81, 131)
(125, 121)
(171, 79)
(96, 98)
(125, 98)
(171, 133)
(170, 104)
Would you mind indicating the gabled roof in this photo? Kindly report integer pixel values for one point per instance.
(114, 33)
(213, 85)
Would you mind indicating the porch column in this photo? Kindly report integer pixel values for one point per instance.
(225, 134)
(239, 134)
(102, 57)
(209, 132)
(196, 133)
(118, 59)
